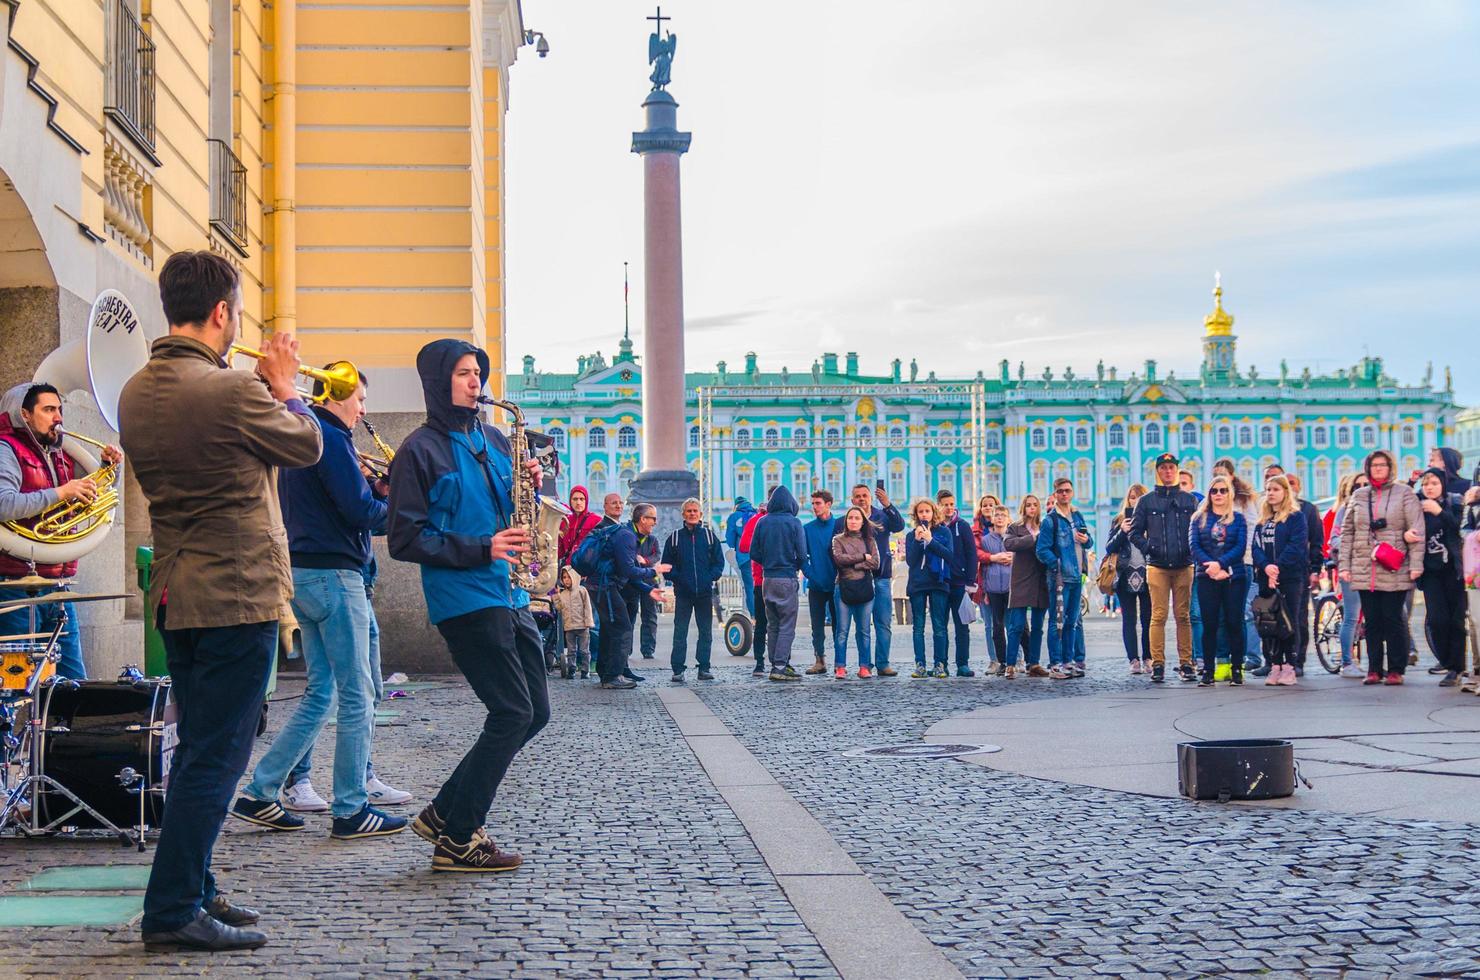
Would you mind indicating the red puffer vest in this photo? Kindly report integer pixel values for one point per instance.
(35, 475)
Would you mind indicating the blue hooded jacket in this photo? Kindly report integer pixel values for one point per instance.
(777, 543)
(451, 486)
(820, 571)
(735, 526)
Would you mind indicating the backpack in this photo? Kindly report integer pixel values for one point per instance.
(593, 559)
(1271, 618)
(1107, 575)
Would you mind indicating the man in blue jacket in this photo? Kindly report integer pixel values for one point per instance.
(734, 527)
(693, 553)
(963, 574)
(1061, 548)
(822, 576)
(329, 511)
(884, 520)
(451, 506)
(1159, 528)
(780, 546)
(616, 595)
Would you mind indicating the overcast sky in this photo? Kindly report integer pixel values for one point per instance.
(1049, 182)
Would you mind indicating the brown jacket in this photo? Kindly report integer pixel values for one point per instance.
(203, 442)
(1029, 586)
(1399, 505)
(855, 555)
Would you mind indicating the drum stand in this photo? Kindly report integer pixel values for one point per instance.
(28, 788)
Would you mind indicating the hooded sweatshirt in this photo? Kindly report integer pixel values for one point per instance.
(573, 529)
(735, 526)
(451, 489)
(778, 544)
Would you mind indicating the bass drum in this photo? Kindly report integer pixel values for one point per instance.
(94, 731)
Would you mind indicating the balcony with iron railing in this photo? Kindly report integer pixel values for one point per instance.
(228, 196)
(129, 100)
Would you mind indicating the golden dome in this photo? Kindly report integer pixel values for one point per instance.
(1218, 323)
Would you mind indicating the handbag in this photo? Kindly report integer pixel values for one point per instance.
(1107, 575)
(854, 591)
(1388, 556)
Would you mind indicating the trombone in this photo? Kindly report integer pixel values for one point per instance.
(339, 379)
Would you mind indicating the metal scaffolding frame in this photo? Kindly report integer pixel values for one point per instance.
(973, 393)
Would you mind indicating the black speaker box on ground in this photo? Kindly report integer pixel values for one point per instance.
(1236, 769)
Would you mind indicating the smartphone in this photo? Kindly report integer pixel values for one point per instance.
(878, 484)
(1129, 512)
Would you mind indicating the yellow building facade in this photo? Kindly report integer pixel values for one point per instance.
(345, 155)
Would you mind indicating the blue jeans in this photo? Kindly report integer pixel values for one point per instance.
(940, 640)
(1065, 642)
(747, 587)
(1018, 620)
(334, 620)
(69, 644)
(218, 680)
(300, 771)
(883, 622)
(1351, 610)
(858, 616)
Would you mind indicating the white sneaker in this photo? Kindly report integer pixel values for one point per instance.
(301, 797)
(383, 795)
(1352, 670)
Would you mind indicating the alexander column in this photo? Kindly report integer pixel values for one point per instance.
(665, 479)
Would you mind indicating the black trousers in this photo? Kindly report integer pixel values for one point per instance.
(1444, 612)
(822, 608)
(218, 680)
(1387, 631)
(758, 643)
(1135, 609)
(700, 609)
(615, 646)
(998, 602)
(1302, 621)
(1291, 588)
(499, 651)
(1222, 605)
(963, 630)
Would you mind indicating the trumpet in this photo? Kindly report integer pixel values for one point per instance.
(339, 379)
(379, 466)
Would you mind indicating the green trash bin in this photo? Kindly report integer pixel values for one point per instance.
(155, 664)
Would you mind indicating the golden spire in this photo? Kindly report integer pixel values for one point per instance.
(1218, 323)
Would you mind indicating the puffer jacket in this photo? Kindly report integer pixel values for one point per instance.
(1212, 540)
(1399, 505)
(1160, 525)
(1029, 583)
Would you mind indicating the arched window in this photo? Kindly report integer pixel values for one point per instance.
(898, 484)
(1153, 435)
(866, 436)
(1410, 463)
(1410, 437)
(1084, 480)
(627, 437)
(994, 480)
(1321, 436)
(896, 436)
(773, 437)
(1060, 438)
(1246, 437)
(1195, 468)
(1343, 437)
(946, 478)
(1369, 437)
(1225, 436)
(801, 480)
(1060, 469)
(867, 474)
(994, 440)
(1322, 487)
(832, 437)
(1039, 437)
(742, 438)
(1115, 436)
(1189, 434)
(693, 437)
(833, 469)
(1266, 436)
(799, 437)
(1302, 436)
(596, 437)
(558, 435)
(1302, 470)
(1081, 437)
(969, 490)
(1119, 479)
(1253, 477)
(745, 481)
(772, 474)
(1040, 478)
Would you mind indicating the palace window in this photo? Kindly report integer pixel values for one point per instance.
(1060, 438)
(772, 473)
(1252, 477)
(832, 437)
(994, 480)
(558, 435)
(1195, 468)
(745, 480)
(773, 438)
(1153, 435)
(625, 478)
(1321, 436)
(1084, 481)
(1225, 436)
(596, 481)
(1322, 487)
(693, 437)
(1369, 437)
(994, 440)
(897, 482)
(1119, 479)
(1189, 434)
(799, 437)
(596, 437)
(946, 478)
(1081, 437)
(742, 438)
(1040, 437)
(834, 478)
(866, 436)
(1302, 470)
(1040, 479)
(867, 474)
(627, 437)
(801, 480)
(1246, 437)
(1343, 437)
(1266, 436)
(896, 436)
(1410, 435)
(1115, 436)
(1301, 438)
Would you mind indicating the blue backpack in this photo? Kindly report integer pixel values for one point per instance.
(593, 558)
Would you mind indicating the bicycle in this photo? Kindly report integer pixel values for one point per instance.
(1329, 619)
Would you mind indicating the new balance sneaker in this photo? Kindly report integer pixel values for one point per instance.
(1237, 680)
(786, 673)
(1206, 680)
(479, 854)
(1287, 678)
(270, 815)
(1057, 673)
(940, 671)
(301, 798)
(1078, 670)
(383, 795)
(919, 671)
(369, 822)
(428, 824)
(1353, 671)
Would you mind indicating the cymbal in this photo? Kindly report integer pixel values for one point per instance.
(41, 600)
(33, 582)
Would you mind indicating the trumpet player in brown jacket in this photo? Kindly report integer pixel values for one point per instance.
(205, 442)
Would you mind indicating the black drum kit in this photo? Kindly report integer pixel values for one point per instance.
(86, 758)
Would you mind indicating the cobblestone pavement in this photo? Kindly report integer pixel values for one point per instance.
(1015, 876)
(635, 867)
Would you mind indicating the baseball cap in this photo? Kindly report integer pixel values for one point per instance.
(1166, 458)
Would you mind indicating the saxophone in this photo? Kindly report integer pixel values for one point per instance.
(535, 568)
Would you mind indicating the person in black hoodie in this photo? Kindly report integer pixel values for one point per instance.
(693, 553)
(451, 510)
(1442, 581)
(779, 546)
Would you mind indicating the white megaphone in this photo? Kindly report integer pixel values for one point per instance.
(113, 350)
